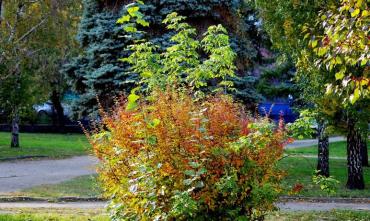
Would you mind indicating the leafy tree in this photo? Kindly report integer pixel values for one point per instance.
(34, 35)
(93, 74)
(341, 45)
(58, 36)
(283, 21)
(160, 70)
(292, 16)
(20, 21)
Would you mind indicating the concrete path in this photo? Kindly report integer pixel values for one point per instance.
(315, 157)
(312, 142)
(286, 206)
(18, 175)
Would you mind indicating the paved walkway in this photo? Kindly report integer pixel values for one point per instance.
(286, 206)
(311, 142)
(18, 175)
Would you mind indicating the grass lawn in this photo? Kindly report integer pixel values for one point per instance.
(49, 145)
(300, 170)
(84, 186)
(319, 216)
(52, 217)
(75, 215)
(336, 149)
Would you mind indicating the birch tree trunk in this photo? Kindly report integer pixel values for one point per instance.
(354, 162)
(323, 151)
(15, 133)
(364, 152)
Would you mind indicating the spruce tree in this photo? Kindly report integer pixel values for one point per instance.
(97, 72)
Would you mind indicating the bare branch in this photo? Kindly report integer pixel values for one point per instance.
(14, 27)
(33, 29)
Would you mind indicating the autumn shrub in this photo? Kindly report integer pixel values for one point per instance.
(174, 158)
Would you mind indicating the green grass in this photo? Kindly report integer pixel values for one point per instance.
(49, 145)
(300, 170)
(336, 149)
(84, 186)
(333, 215)
(52, 217)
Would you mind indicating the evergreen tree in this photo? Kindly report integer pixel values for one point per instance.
(97, 72)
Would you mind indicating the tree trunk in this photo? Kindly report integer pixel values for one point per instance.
(15, 133)
(58, 117)
(323, 151)
(364, 152)
(354, 163)
(1, 11)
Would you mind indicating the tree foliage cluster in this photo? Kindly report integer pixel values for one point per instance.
(35, 38)
(328, 42)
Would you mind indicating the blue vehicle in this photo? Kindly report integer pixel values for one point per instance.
(275, 110)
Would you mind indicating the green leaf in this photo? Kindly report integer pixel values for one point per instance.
(123, 19)
(142, 22)
(364, 62)
(355, 96)
(329, 89)
(152, 140)
(133, 11)
(202, 171)
(189, 172)
(355, 12)
(132, 104)
(306, 36)
(339, 75)
(365, 13)
(314, 43)
(338, 60)
(194, 164)
(322, 51)
(129, 28)
(154, 123)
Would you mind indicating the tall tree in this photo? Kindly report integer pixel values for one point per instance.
(60, 44)
(21, 20)
(340, 31)
(283, 21)
(26, 34)
(341, 42)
